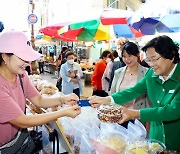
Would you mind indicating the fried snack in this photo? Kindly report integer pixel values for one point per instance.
(47, 91)
(40, 84)
(109, 113)
(49, 85)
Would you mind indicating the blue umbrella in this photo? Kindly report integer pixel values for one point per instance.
(157, 16)
(1, 26)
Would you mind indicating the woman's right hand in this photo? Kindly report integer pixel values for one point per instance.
(72, 111)
(95, 101)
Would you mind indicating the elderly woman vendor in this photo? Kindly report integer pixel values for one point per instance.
(162, 84)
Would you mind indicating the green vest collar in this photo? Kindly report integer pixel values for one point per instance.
(175, 76)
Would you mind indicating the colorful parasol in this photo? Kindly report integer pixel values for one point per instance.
(111, 24)
(157, 16)
(51, 31)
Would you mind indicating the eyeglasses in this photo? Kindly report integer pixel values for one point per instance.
(154, 60)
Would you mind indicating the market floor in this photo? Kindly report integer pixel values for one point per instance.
(87, 88)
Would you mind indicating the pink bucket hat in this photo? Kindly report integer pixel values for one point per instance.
(17, 43)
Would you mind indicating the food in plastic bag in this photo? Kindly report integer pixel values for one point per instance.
(114, 141)
(77, 140)
(68, 129)
(86, 146)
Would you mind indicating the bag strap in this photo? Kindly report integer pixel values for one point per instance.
(21, 83)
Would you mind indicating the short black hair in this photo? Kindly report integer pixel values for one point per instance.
(68, 53)
(165, 47)
(64, 48)
(131, 48)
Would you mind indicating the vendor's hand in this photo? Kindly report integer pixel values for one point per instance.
(128, 114)
(72, 111)
(70, 99)
(95, 101)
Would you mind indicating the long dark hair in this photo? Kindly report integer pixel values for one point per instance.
(132, 49)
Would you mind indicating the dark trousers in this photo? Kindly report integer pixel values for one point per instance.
(41, 67)
(77, 92)
(59, 84)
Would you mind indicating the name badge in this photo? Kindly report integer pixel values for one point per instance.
(171, 91)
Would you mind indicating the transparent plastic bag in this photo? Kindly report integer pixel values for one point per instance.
(86, 146)
(108, 127)
(121, 130)
(136, 131)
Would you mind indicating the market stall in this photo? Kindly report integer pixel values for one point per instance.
(96, 130)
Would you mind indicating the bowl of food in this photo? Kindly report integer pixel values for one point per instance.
(114, 141)
(156, 146)
(138, 146)
(109, 113)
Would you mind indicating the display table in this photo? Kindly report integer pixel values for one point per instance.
(50, 68)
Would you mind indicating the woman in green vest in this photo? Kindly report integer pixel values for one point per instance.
(162, 84)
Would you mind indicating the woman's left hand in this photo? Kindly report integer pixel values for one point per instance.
(128, 114)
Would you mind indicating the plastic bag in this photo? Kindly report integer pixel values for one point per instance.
(121, 130)
(140, 127)
(68, 128)
(86, 146)
(136, 131)
(108, 127)
(77, 140)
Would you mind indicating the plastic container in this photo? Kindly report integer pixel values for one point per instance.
(109, 113)
(138, 146)
(156, 146)
(114, 141)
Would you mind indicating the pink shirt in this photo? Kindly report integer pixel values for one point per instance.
(127, 82)
(12, 104)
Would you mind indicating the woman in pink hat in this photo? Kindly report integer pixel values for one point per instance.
(15, 54)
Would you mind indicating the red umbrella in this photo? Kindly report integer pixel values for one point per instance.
(51, 31)
(114, 16)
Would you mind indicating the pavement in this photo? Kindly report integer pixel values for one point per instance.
(87, 88)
